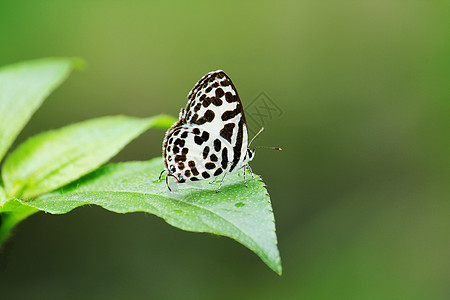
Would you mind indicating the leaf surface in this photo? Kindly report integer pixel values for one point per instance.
(243, 214)
(54, 158)
(23, 88)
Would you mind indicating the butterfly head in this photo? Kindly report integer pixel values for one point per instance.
(250, 154)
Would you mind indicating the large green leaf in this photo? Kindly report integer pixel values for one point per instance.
(52, 159)
(23, 87)
(241, 213)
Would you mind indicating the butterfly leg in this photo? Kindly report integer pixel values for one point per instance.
(167, 183)
(160, 175)
(251, 171)
(245, 180)
(220, 185)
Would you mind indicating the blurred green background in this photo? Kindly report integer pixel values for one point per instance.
(360, 192)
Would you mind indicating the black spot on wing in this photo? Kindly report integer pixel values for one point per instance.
(179, 142)
(205, 152)
(225, 82)
(238, 146)
(219, 93)
(230, 98)
(206, 102)
(230, 114)
(198, 140)
(207, 117)
(216, 101)
(205, 135)
(218, 172)
(194, 170)
(227, 131)
(224, 158)
(210, 166)
(217, 145)
(179, 158)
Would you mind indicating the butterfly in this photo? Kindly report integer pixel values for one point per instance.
(211, 137)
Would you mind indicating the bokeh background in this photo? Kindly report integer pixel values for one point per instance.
(360, 192)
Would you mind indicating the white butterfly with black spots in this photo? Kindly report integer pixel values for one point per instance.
(210, 138)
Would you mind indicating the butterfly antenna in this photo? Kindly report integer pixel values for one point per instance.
(272, 148)
(261, 130)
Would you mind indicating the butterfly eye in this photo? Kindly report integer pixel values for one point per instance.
(180, 177)
(172, 169)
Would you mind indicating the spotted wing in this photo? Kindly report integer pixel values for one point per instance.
(192, 153)
(215, 106)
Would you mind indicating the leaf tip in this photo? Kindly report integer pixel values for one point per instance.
(79, 63)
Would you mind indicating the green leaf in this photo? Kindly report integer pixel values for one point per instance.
(23, 88)
(241, 213)
(52, 159)
(11, 213)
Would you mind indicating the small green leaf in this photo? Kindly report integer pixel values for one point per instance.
(52, 159)
(23, 88)
(11, 213)
(241, 213)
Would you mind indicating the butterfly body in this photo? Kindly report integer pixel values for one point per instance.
(210, 138)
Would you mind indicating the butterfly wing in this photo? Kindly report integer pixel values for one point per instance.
(192, 153)
(212, 127)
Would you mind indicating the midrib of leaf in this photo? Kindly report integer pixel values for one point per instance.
(40, 176)
(45, 175)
